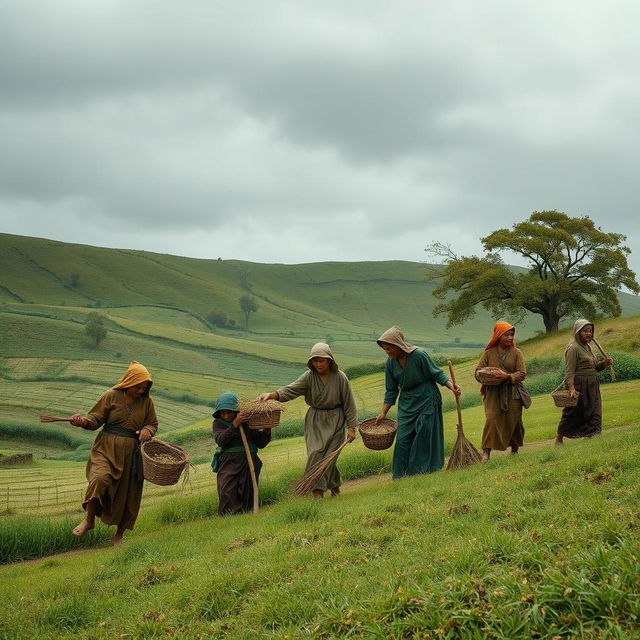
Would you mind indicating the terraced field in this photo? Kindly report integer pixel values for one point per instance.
(49, 486)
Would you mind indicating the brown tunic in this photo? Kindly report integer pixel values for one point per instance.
(110, 464)
(585, 419)
(502, 403)
(235, 489)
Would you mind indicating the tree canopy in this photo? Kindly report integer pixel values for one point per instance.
(573, 269)
(95, 329)
(248, 305)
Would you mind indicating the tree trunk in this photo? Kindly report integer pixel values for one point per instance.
(551, 319)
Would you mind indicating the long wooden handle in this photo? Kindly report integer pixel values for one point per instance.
(453, 379)
(252, 470)
(611, 369)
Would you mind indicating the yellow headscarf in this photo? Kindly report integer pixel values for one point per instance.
(135, 374)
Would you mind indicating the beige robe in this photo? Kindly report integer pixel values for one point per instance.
(331, 405)
(502, 403)
(110, 464)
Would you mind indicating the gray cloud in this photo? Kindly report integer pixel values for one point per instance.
(301, 131)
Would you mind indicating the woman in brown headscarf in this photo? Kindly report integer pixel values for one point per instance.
(580, 373)
(503, 402)
(114, 469)
(327, 391)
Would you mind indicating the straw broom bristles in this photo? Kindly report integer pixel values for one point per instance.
(463, 452)
(310, 478)
(47, 417)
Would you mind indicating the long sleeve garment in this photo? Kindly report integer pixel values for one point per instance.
(503, 425)
(581, 367)
(419, 444)
(235, 489)
(331, 405)
(110, 465)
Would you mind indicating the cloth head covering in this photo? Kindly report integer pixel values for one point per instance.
(395, 337)
(135, 374)
(578, 326)
(321, 350)
(499, 328)
(226, 401)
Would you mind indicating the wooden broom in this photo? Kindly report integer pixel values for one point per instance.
(309, 479)
(252, 470)
(463, 452)
(612, 371)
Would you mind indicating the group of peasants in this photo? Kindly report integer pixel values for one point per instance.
(127, 416)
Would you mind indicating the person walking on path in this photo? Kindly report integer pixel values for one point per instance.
(580, 374)
(327, 391)
(114, 469)
(235, 488)
(503, 402)
(410, 377)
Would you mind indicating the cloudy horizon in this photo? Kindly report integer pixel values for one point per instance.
(302, 132)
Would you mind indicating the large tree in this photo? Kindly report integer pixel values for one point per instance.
(573, 269)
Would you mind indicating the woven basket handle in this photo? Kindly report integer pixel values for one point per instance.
(559, 386)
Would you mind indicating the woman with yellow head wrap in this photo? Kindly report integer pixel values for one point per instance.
(114, 471)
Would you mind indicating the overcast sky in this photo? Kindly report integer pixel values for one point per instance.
(299, 131)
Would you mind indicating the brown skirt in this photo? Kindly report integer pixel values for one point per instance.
(585, 419)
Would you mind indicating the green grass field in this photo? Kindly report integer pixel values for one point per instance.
(540, 545)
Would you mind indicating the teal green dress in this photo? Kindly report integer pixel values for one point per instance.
(420, 438)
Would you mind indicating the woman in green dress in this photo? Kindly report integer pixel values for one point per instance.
(412, 375)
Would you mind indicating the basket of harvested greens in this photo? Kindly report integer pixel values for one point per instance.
(162, 463)
(378, 436)
(262, 415)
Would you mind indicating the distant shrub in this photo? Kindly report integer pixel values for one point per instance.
(359, 370)
(536, 366)
(626, 365)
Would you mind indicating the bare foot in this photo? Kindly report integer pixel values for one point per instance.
(117, 540)
(559, 440)
(82, 528)
(318, 494)
(486, 454)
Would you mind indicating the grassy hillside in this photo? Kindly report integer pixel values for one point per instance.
(347, 300)
(540, 545)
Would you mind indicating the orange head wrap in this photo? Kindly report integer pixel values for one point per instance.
(135, 374)
(499, 328)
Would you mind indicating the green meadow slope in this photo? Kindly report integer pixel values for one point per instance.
(539, 545)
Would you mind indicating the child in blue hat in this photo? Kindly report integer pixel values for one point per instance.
(235, 489)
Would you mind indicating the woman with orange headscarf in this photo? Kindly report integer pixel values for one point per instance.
(114, 469)
(503, 402)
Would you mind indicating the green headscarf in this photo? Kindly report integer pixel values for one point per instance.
(227, 401)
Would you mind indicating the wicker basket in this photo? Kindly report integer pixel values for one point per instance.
(378, 436)
(167, 469)
(561, 398)
(262, 415)
(490, 375)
